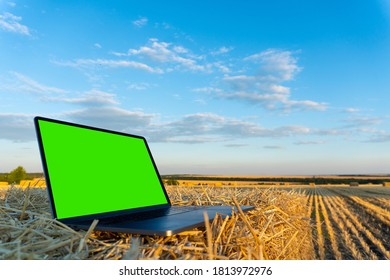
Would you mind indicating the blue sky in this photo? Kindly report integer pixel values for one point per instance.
(217, 87)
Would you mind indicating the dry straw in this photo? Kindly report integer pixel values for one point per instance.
(277, 229)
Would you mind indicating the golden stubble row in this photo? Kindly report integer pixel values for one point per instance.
(277, 229)
(350, 223)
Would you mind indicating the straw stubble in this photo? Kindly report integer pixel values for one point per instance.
(276, 229)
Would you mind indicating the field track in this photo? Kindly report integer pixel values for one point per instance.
(350, 222)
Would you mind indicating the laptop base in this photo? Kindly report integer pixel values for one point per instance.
(166, 225)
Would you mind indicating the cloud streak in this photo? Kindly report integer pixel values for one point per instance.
(140, 22)
(17, 127)
(379, 137)
(111, 117)
(90, 98)
(276, 65)
(222, 50)
(190, 129)
(101, 109)
(172, 57)
(111, 63)
(20, 83)
(11, 23)
(266, 87)
(166, 53)
(24, 83)
(213, 127)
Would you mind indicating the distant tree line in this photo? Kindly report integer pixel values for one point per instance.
(18, 174)
(171, 182)
(303, 181)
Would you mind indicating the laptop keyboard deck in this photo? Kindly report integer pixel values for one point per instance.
(149, 214)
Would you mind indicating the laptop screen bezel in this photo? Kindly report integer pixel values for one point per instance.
(98, 215)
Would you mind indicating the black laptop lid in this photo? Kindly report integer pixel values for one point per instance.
(92, 172)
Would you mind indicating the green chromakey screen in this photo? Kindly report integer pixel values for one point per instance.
(93, 172)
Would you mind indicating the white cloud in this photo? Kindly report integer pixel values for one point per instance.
(17, 127)
(277, 65)
(304, 105)
(190, 129)
(158, 51)
(21, 83)
(20, 128)
(240, 82)
(139, 86)
(266, 87)
(110, 63)
(351, 110)
(207, 90)
(221, 67)
(109, 117)
(11, 23)
(142, 21)
(193, 128)
(222, 50)
(332, 132)
(91, 98)
(362, 121)
(216, 128)
(166, 53)
(278, 89)
(180, 49)
(119, 54)
(268, 101)
(274, 101)
(172, 57)
(379, 137)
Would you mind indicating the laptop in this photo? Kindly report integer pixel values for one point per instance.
(94, 173)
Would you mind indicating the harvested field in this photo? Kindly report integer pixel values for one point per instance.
(350, 222)
(300, 222)
(278, 228)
